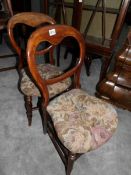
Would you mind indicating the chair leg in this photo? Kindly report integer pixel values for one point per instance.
(43, 114)
(88, 61)
(70, 163)
(45, 123)
(28, 106)
(66, 53)
(105, 65)
(58, 55)
(44, 120)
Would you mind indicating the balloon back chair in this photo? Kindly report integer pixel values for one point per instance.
(5, 14)
(26, 86)
(75, 121)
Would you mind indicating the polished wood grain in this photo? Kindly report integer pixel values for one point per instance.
(116, 86)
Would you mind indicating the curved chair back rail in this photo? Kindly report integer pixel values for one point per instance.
(32, 19)
(43, 35)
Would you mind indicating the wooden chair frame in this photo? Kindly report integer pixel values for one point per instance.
(42, 34)
(35, 20)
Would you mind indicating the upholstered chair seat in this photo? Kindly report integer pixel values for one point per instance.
(82, 122)
(47, 71)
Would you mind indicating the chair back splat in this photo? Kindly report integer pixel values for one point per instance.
(75, 121)
(43, 34)
(31, 19)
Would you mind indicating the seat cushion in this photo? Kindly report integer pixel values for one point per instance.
(82, 122)
(46, 71)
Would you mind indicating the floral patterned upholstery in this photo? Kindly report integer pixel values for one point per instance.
(82, 122)
(47, 71)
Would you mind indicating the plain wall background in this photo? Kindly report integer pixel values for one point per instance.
(35, 5)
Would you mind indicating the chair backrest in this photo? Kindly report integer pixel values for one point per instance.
(54, 35)
(32, 19)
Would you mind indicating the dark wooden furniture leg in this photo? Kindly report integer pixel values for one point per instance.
(28, 106)
(88, 61)
(70, 163)
(105, 65)
(26, 22)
